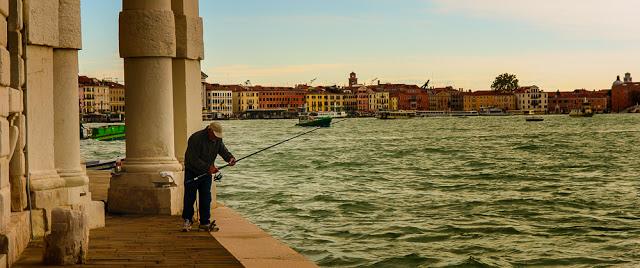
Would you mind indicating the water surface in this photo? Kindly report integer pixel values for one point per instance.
(441, 192)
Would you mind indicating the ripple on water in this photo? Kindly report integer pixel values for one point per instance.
(445, 192)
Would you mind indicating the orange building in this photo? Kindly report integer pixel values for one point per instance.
(624, 94)
(564, 102)
(280, 98)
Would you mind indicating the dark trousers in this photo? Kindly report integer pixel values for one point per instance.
(203, 186)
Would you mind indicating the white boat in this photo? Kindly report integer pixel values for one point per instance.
(333, 114)
(493, 112)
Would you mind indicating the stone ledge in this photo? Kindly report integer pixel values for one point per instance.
(251, 245)
(17, 238)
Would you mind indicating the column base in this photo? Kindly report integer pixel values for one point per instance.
(136, 193)
(74, 178)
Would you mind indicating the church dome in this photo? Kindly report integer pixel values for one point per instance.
(618, 82)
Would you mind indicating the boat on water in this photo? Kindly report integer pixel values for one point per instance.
(313, 120)
(493, 112)
(533, 118)
(333, 114)
(395, 115)
(108, 133)
(584, 111)
(463, 113)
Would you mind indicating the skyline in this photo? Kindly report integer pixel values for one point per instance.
(461, 43)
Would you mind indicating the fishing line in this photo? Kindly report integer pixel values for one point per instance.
(218, 176)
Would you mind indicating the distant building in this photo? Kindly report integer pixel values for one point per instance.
(219, 100)
(531, 98)
(405, 97)
(323, 100)
(564, 102)
(203, 90)
(353, 79)
(379, 101)
(287, 98)
(624, 94)
(116, 98)
(246, 99)
(486, 99)
(446, 99)
(95, 94)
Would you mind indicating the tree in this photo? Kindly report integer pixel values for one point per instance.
(505, 83)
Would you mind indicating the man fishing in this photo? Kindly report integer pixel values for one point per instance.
(203, 148)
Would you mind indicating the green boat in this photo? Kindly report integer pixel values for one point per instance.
(108, 133)
(312, 121)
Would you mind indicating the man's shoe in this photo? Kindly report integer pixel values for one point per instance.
(212, 227)
(186, 226)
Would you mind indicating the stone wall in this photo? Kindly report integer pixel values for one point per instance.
(39, 137)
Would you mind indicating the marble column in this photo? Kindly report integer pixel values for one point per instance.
(187, 83)
(147, 44)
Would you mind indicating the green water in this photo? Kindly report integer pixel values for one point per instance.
(441, 192)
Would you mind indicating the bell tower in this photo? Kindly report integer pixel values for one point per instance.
(353, 79)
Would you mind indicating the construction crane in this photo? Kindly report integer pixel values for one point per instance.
(247, 83)
(374, 80)
(312, 80)
(426, 85)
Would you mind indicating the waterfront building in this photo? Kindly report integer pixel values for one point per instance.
(246, 99)
(564, 102)
(405, 97)
(219, 100)
(624, 94)
(324, 100)
(116, 100)
(446, 99)
(287, 98)
(486, 99)
(350, 101)
(95, 96)
(203, 89)
(531, 98)
(379, 101)
(362, 99)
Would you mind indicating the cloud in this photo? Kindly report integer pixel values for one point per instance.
(616, 19)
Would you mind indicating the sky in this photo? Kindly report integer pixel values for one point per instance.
(555, 44)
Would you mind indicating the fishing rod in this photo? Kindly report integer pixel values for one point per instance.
(218, 176)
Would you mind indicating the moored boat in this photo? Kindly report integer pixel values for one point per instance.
(396, 114)
(533, 118)
(108, 133)
(584, 111)
(306, 120)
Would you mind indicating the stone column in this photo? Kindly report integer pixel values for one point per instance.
(187, 85)
(66, 110)
(41, 20)
(148, 44)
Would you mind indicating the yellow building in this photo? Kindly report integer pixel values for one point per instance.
(116, 98)
(245, 100)
(481, 100)
(379, 101)
(393, 104)
(324, 102)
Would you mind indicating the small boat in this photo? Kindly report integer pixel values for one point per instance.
(396, 115)
(584, 111)
(493, 112)
(533, 118)
(306, 120)
(108, 133)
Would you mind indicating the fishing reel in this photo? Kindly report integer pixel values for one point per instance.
(217, 177)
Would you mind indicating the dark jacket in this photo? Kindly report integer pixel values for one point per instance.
(201, 152)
